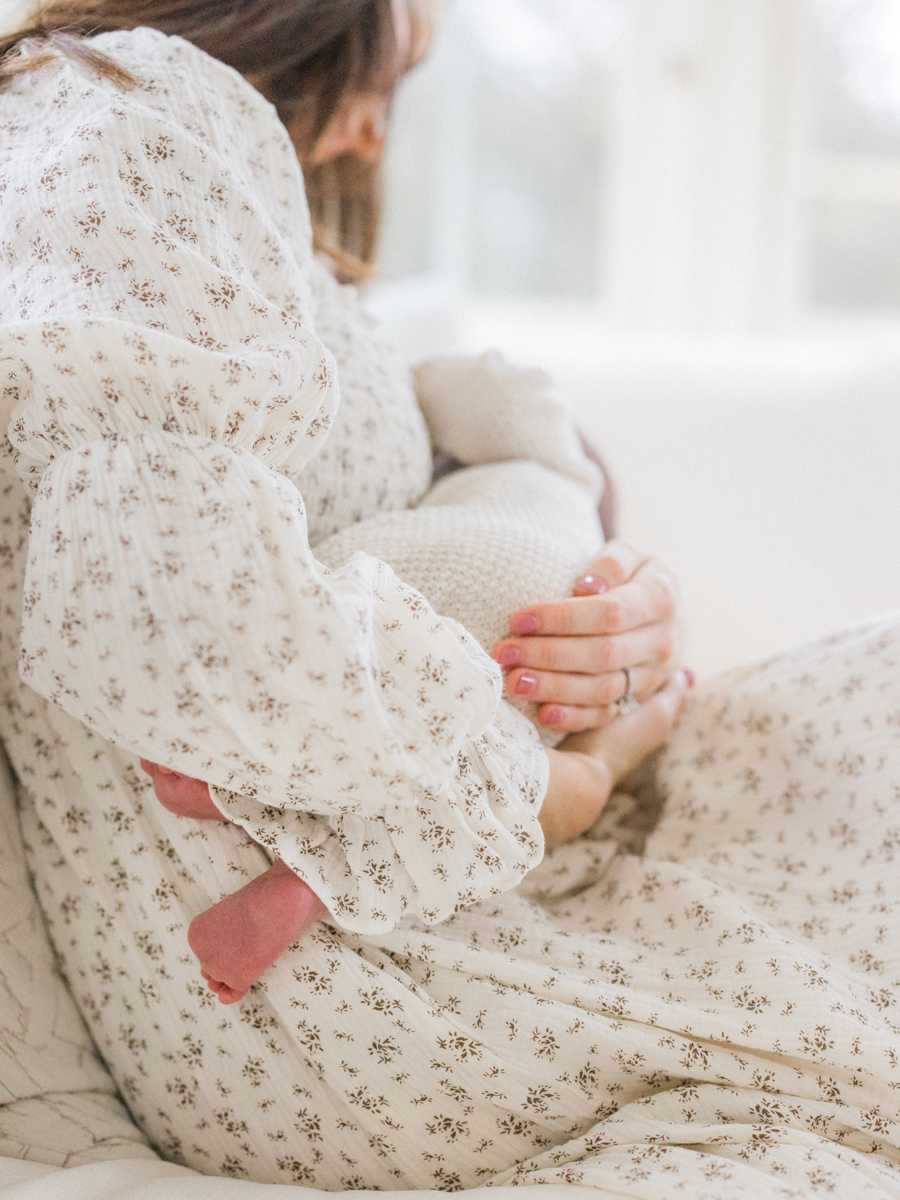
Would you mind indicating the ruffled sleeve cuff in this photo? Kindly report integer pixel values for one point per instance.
(472, 839)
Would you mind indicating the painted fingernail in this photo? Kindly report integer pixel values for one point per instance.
(689, 676)
(509, 656)
(523, 624)
(592, 584)
(552, 716)
(525, 685)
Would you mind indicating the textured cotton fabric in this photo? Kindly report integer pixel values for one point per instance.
(164, 377)
(57, 1102)
(714, 1018)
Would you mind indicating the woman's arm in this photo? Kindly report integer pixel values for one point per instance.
(582, 773)
(245, 933)
(164, 371)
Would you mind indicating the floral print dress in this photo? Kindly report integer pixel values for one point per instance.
(712, 1016)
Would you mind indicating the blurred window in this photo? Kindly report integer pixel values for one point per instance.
(494, 175)
(854, 219)
(674, 164)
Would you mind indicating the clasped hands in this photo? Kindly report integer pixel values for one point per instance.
(570, 656)
(620, 637)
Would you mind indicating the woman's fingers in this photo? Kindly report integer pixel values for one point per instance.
(591, 691)
(566, 718)
(577, 680)
(570, 656)
(666, 700)
(618, 562)
(650, 645)
(649, 598)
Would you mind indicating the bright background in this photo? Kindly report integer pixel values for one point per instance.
(689, 212)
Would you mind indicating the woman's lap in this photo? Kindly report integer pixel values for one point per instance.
(782, 783)
(673, 992)
(762, 917)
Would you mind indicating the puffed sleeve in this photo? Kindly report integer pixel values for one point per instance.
(163, 372)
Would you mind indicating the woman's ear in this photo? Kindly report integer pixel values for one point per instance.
(358, 128)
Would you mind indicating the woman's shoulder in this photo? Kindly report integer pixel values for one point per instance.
(176, 83)
(169, 68)
(145, 48)
(190, 117)
(209, 99)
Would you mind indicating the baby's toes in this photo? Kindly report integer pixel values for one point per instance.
(214, 985)
(230, 995)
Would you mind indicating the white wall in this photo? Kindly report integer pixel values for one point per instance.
(707, 137)
(767, 472)
(11, 12)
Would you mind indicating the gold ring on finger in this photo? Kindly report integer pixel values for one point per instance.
(627, 703)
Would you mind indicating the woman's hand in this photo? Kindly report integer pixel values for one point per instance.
(569, 655)
(588, 766)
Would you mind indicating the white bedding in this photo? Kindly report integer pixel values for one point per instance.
(129, 1179)
(58, 1105)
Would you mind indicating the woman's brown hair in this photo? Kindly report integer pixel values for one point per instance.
(306, 56)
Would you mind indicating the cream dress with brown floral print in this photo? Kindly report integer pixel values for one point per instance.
(715, 1017)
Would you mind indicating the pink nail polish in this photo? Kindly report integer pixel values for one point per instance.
(525, 685)
(553, 716)
(523, 624)
(509, 656)
(593, 584)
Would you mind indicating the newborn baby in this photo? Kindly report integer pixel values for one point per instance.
(514, 527)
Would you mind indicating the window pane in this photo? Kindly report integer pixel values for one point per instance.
(407, 236)
(538, 134)
(855, 255)
(856, 75)
(494, 173)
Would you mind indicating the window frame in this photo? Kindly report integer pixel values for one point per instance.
(710, 175)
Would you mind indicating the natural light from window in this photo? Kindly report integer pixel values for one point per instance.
(669, 165)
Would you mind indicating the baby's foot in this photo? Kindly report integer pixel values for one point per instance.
(182, 795)
(243, 935)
